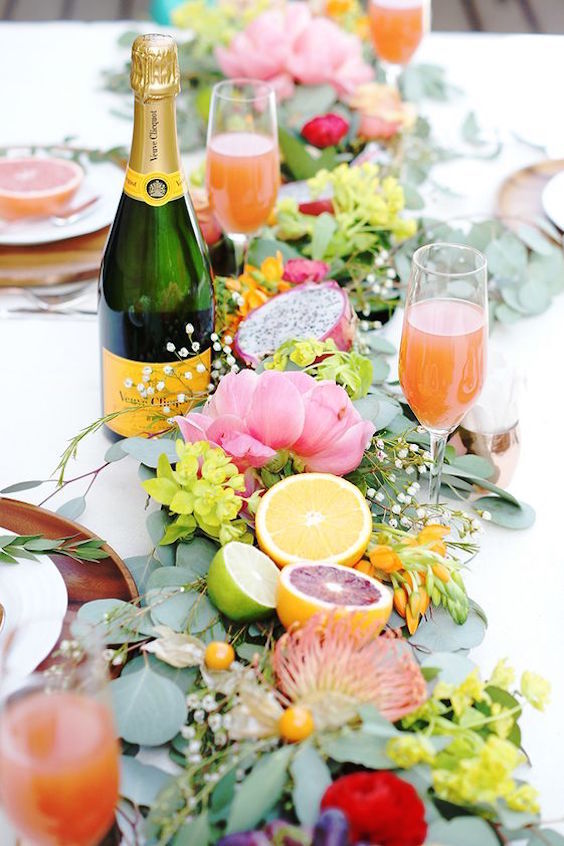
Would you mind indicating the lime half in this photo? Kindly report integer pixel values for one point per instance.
(242, 582)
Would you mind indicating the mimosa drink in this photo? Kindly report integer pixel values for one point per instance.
(243, 175)
(442, 360)
(397, 27)
(58, 768)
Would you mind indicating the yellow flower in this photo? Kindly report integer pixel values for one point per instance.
(535, 689)
(272, 268)
(504, 721)
(408, 750)
(524, 798)
(503, 675)
(462, 697)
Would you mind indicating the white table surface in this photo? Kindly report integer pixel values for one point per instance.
(49, 382)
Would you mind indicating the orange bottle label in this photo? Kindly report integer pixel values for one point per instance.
(151, 392)
(155, 188)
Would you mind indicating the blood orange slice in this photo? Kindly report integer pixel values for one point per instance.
(306, 589)
(36, 187)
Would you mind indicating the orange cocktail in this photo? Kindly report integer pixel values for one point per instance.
(243, 174)
(443, 360)
(397, 28)
(58, 767)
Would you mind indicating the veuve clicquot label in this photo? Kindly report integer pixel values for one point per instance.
(155, 188)
(151, 392)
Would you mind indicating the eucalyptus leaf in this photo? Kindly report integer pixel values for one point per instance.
(73, 508)
(308, 101)
(148, 450)
(194, 833)
(140, 783)
(183, 610)
(260, 791)
(506, 514)
(534, 240)
(141, 567)
(145, 473)
(22, 486)
(450, 470)
(545, 837)
(115, 453)
(548, 269)
(380, 411)
(462, 831)
(413, 199)
(482, 233)
(184, 678)
(157, 523)
(513, 820)
(475, 464)
(223, 793)
(296, 157)
(311, 777)
(261, 248)
(441, 634)
(111, 619)
(379, 344)
(534, 296)
(380, 369)
(453, 667)
(196, 555)
(323, 230)
(507, 257)
(357, 747)
(149, 709)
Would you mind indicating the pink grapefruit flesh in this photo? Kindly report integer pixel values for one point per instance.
(36, 187)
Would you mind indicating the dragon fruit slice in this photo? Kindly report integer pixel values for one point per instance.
(311, 310)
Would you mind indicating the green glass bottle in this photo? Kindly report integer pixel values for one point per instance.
(156, 309)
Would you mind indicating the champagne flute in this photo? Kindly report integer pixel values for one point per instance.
(397, 28)
(242, 161)
(444, 340)
(59, 754)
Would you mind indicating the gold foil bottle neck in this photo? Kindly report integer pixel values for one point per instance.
(154, 67)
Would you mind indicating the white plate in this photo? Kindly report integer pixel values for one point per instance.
(35, 601)
(103, 180)
(553, 200)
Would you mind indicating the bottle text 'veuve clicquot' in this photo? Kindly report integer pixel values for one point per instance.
(156, 296)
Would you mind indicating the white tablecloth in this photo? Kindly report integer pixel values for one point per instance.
(49, 384)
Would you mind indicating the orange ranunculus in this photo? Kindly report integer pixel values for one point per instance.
(362, 28)
(338, 8)
(385, 559)
(382, 111)
(272, 268)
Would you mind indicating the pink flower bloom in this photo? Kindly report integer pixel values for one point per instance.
(325, 130)
(282, 46)
(382, 111)
(305, 270)
(252, 416)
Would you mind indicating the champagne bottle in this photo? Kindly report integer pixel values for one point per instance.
(156, 308)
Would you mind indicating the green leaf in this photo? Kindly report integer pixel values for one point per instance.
(471, 131)
(141, 567)
(450, 470)
(462, 831)
(262, 248)
(534, 240)
(380, 369)
(161, 490)
(506, 514)
(260, 791)
(323, 230)
(307, 102)
(545, 837)
(505, 314)
(73, 508)
(380, 411)
(534, 296)
(22, 486)
(513, 820)
(379, 344)
(157, 524)
(196, 555)
(413, 199)
(114, 631)
(194, 833)
(311, 777)
(140, 783)
(127, 38)
(482, 233)
(184, 610)
(441, 634)
(148, 450)
(358, 747)
(507, 257)
(453, 668)
(474, 464)
(184, 678)
(149, 709)
(222, 795)
(297, 158)
(114, 453)
(548, 269)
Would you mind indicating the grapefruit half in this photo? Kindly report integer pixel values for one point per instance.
(36, 187)
(306, 589)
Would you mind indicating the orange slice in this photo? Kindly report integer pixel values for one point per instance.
(307, 589)
(313, 517)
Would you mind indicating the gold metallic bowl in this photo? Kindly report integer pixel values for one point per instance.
(502, 449)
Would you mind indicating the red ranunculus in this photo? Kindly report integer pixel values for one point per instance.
(317, 207)
(380, 807)
(325, 130)
(305, 270)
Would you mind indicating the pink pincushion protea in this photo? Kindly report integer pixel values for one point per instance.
(332, 668)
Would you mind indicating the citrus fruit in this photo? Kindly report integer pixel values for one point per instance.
(295, 724)
(34, 186)
(313, 517)
(219, 655)
(306, 589)
(242, 582)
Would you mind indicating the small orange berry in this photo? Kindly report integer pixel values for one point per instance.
(219, 655)
(385, 559)
(295, 724)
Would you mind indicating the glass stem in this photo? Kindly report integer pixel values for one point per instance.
(438, 444)
(240, 246)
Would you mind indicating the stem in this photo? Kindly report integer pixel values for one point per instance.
(240, 246)
(438, 445)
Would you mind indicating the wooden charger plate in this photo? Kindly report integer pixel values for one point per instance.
(520, 196)
(85, 580)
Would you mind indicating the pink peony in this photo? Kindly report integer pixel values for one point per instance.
(252, 416)
(325, 130)
(282, 46)
(305, 270)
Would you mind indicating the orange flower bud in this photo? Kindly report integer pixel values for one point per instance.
(414, 603)
(425, 600)
(400, 601)
(434, 531)
(384, 558)
(439, 547)
(412, 620)
(365, 567)
(441, 572)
